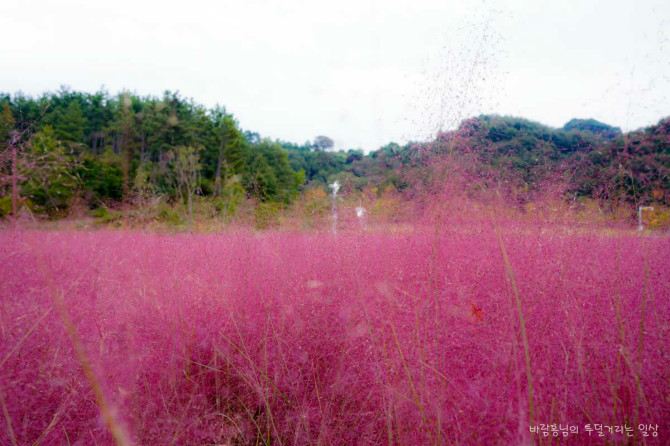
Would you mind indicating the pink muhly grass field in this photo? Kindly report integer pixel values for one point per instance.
(291, 338)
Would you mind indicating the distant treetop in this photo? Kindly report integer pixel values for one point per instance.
(592, 126)
(323, 143)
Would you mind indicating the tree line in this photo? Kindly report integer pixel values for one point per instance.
(106, 149)
(118, 148)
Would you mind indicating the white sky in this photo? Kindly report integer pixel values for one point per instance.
(364, 72)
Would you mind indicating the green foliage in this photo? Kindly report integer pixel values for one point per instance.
(634, 168)
(269, 176)
(69, 123)
(47, 172)
(185, 163)
(100, 212)
(232, 196)
(5, 206)
(127, 145)
(225, 156)
(260, 179)
(514, 152)
(142, 184)
(101, 176)
(317, 204)
(7, 122)
(106, 216)
(266, 214)
(318, 165)
(300, 177)
(170, 215)
(592, 126)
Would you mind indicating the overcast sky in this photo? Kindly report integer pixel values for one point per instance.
(364, 72)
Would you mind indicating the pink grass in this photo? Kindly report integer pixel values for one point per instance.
(288, 338)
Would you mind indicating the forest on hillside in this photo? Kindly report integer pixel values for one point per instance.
(107, 151)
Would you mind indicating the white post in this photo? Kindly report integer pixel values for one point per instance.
(335, 187)
(360, 213)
